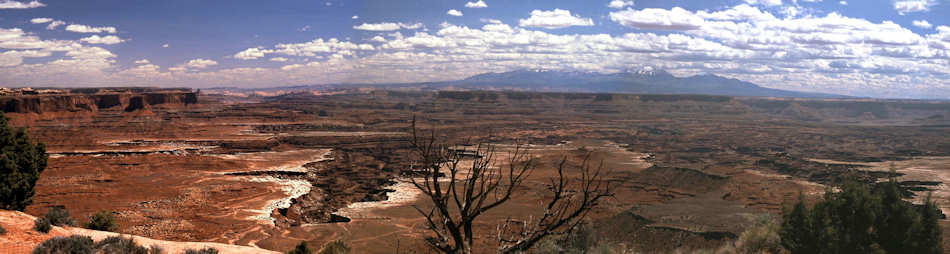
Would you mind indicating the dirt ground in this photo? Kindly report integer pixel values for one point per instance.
(690, 171)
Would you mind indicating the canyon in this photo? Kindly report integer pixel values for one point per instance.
(266, 172)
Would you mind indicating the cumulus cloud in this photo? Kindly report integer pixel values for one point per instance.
(378, 39)
(355, 17)
(142, 61)
(764, 2)
(41, 20)
(89, 29)
(479, 4)
(454, 12)
(52, 23)
(278, 59)
(658, 19)
(252, 53)
(908, 6)
(922, 24)
(108, 39)
(165, 45)
(10, 4)
(193, 64)
(386, 26)
(843, 2)
(15, 57)
(315, 48)
(55, 24)
(73, 60)
(620, 4)
(825, 53)
(554, 19)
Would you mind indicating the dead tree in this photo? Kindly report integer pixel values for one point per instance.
(460, 193)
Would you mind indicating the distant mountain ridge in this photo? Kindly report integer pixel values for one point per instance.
(632, 82)
(641, 82)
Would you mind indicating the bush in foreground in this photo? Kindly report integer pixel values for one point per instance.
(59, 216)
(77, 244)
(335, 247)
(71, 244)
(117, 244)
(42, 225)
(103, 221)
(761, 237)
(301, 248)
(3, 231)
(21, 163)
(859, 219)
(207, 250)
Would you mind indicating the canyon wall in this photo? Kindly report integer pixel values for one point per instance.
(128, 102)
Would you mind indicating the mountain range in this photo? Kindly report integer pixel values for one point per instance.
(638, 82)
(641, 82)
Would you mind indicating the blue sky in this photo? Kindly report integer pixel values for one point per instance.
(882, 48)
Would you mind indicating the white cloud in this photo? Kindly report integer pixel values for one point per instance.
(378, 39)
(491, 21)
(278, 59)
(825, 53)
(165, 45)
(843, 2)
(764, 2)
(620, 4)
(304, 28)
(922, 24)
(554, 19)
(386, 26)
(454, 12)
(410, 26)
(142, 61)
(479, 4)
(15, 57)
(52, 23)
(315, 48)
(55, 24)
(252, 53)
(658, 19)
(89, 29)
(41, 20)
(355, 17)
(10, 4)
(198, 63)
(907, 6)
(108, 39)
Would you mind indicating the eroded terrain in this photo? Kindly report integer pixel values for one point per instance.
(268, 172)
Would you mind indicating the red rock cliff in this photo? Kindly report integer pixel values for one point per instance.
(94, 102)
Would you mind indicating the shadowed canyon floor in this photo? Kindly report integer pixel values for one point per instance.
(690, 171)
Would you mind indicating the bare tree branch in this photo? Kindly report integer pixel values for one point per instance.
(482, 186)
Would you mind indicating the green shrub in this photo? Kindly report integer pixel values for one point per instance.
(77, 244)
(761, 237)
(859, 219)
(207, 250)
(21, 163)
(59, 216)
(73, 244)
(42, 224)
(118, 244)
(155, 249)
(3, 231)
(103, 221)
(301, 248)
(335, 247)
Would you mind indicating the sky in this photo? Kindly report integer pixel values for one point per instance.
(874, 48)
